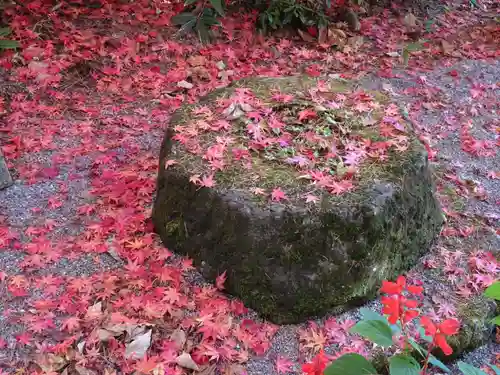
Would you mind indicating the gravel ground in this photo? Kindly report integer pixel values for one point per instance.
(21, 205)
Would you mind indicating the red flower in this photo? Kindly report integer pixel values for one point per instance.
(439, 332)
(415, 289)
(397, 306)
(391, 308)
(388, 287)
(317, 365)
(449, 327)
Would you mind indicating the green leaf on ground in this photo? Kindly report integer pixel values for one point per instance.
(432, 359)
(4, 31)
(493, 291)
(8, 44)
(469, 369)
(182, 18)
(350, 364)
(217, 4)
(377, 331)
(403, 365)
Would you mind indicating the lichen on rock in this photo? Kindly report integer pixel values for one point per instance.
(356, 203)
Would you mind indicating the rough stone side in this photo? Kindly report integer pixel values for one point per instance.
(288, 263)
(5, 178)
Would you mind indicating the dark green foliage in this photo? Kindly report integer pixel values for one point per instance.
(6, 43)
(199, 20)
(282, 13)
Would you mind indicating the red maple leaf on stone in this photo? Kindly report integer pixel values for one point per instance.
(219, 281)
(207, 181)
(278, 195)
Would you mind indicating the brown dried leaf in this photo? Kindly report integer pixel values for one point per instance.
(50, 362)
(234, 369)
(84, 371)
(94, 311)
(185, 360)
(137, 348)
(179, 337)
(447, 47)
(410, 20)
(306, 37)
(197, 60)
(322, 35)
(207, 370)
(336, 37)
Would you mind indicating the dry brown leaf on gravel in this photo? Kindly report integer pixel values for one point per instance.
(185, 360)
(179, 337)
(138, 347)
(306, 37)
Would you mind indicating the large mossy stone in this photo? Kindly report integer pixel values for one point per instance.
(293, 259)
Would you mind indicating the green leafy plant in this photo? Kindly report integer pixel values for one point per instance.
(281, 13)
(200, 18)
(401, 302)
(493, 291)
(411, 47)
(6, 43)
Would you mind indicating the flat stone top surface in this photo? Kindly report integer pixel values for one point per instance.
(291, 140)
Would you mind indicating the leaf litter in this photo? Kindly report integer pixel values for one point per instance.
(86, 288)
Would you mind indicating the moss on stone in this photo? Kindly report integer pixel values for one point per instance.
(290, 261)
(476, 329)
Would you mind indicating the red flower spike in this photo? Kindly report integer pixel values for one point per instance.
(389, 287)
(415, 289)
(440, 341)
(439, 332)
(409, 315)
(449, 327)
(391, 308)
(429, 326)
(410, 303)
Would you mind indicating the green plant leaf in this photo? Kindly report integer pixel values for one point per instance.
(187, 27)
(406, 56)
(469, 369)
(189, 2)
(350, 364)
(495, 368)
(403, 365)
(368, 314)
(437, 363)
(203, 31)
(493, 291)
(473, 3)
(417, 347)
(217, 4)
(4, 31)
(422, 334)
(8, 44)
(182, 18)
(377, 331)
(432, 360)
(428, 25)
(496, 320)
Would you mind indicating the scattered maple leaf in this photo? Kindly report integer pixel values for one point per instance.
(307, 114)
(283, 365)
(278, 195)
(219, 281)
